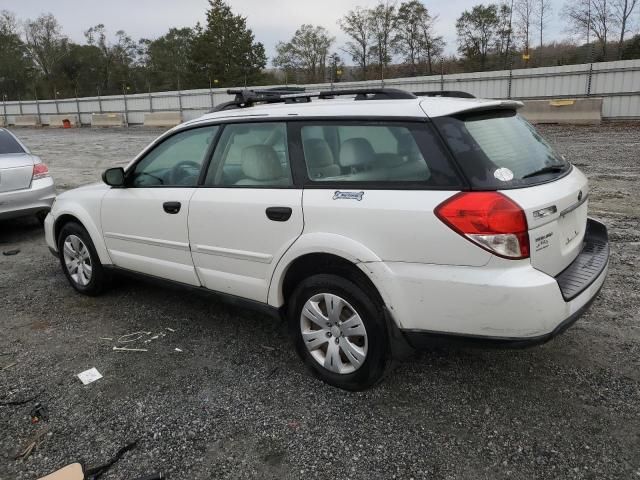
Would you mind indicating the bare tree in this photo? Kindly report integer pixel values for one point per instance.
(307, 50)
(8, 23)
(357, 25)
(504, 33)
(477, 32)
(591, 16)
(432, 44)
(542, 11)
(415, 38)
(524, 20)
(45, 42)
(408, 40)
(623, 11)
(383, 24)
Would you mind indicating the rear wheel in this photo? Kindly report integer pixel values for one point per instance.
(339, 331)
(80, 261)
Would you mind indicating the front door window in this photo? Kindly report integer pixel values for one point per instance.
(177, 161)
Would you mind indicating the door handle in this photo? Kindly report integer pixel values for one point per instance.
(279, 214)
(171, 207)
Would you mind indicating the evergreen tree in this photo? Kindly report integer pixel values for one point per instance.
(225, 48)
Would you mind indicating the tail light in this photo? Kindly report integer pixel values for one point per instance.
(490, 220)
(40, 170)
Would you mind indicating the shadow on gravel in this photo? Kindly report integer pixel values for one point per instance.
(19, 230)
(252, 334)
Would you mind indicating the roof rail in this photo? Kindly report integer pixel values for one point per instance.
(370, 93)
(444, 93)
(247, 98)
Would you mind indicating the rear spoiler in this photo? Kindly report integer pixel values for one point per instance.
(495, 105)
(463, 106)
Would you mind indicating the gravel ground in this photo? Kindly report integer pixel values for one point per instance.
(237, 403)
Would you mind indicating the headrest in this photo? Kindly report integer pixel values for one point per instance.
(317, 153)
(260, 162)
(355, 152)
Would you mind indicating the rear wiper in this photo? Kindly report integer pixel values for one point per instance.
(548, 169)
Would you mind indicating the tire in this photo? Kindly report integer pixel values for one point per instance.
(88, 281)
(334, 353)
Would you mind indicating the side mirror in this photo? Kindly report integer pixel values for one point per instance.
(113, 177)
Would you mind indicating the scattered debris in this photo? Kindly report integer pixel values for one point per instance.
(170, 329)
(8, 253)
(133, 337)
(154, 476)
(109, 339)
(9, 366)
(155, 337)
(31, 444)
(267, 347)
(125, 349)
(96, 472)
(70, 472)
(39, 412)
(272, 372)
(89, 376)
(178, 350)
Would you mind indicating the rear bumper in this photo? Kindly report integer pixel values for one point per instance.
(21, 203)
(422, 340)
(506, 303)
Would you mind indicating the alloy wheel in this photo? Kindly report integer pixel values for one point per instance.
(333, 333)
(77, 260)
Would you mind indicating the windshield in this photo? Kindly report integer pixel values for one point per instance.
(500, 149)
(8, 144)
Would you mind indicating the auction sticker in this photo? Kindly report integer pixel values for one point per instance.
(503, 174)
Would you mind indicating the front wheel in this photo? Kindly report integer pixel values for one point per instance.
(80, 261)
(339, 331)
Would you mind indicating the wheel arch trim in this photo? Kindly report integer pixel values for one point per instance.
(323, 243)
(83, 218)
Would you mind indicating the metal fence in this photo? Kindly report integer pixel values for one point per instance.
(617, 82)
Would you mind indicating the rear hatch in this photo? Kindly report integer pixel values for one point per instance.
(498, 150)
(16, 171)
(557, 218)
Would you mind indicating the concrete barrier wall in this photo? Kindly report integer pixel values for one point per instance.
(107, 120)
(26, 121)
(162, 119)
(57, 121)
(579, 111)
(618, 83)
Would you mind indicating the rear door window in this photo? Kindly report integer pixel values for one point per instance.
(500, 149)
(8, 144)
(385, 153)
(251, 155)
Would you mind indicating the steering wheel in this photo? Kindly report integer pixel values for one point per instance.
(180, 171)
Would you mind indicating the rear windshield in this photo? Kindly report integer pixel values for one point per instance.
(8, 144)
(500, 149)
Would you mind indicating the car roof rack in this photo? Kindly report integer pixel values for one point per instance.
(369, 94)
(444, 93)
(247, 98)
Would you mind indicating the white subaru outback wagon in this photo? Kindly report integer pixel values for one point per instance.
(369, 219)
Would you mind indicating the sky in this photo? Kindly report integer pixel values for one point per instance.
(270, 20)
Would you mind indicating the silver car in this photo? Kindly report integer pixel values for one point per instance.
(26, 187)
